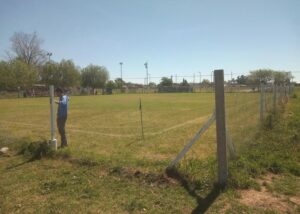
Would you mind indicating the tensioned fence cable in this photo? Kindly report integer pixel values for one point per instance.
(193, 121)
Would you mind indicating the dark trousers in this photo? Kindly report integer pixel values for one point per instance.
(61, 123)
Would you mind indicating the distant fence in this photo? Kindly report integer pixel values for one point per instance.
(42, 90)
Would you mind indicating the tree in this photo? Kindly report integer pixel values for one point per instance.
(16, 74)
(281, 77)
(152, 84)
(27, 48)
(70, 75)
(63, 74)
(50, 74)
(184, 83)
(7, 77)
(205, 82)
(242, 80)
(261, 75)
(94, 76)
(165, 81)
(110, 85)
(119, 83)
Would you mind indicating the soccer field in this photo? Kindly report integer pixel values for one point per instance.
(109, 168)
(109, 127)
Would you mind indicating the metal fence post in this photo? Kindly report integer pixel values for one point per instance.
(280, 94)
(52, 118)
(274, 97)
(221, 127)
(142, 124)
(262, 102)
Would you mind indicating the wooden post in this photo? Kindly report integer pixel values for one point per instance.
(221, 127)
(52, 118)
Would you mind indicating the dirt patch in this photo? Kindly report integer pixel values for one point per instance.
(264, 200)
(295, 200)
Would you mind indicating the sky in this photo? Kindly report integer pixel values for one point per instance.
(175, 37)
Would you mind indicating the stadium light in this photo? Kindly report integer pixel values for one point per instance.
(121, 64)
(146, 66)
(49, 55)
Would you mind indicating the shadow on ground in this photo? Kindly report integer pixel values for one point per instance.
(19, 164)
(203, 202)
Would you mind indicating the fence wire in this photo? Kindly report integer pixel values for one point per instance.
(109, 126)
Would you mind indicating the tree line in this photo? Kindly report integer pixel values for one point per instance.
(253, 78)
(27, 64)
(264, 76)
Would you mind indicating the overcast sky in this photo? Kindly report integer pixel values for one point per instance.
(175, 37)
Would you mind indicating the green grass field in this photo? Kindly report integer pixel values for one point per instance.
(108, 168)
(109, 127)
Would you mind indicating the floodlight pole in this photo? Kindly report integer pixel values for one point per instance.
(147, 74)
(121, 64)
(52, 118)
(49, 55)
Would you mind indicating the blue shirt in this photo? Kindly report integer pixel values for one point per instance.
(62, 111)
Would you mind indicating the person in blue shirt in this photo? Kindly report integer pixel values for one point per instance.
(62, 115)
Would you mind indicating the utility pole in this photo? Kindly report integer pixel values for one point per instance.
(49, 55)
(121, 68)
(176, 78)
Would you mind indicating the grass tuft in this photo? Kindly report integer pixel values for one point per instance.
(36, 150)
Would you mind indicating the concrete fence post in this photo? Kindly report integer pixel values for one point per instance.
(221, 127)
(52, 118)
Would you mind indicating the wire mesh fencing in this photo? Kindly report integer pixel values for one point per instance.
(111, 127)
